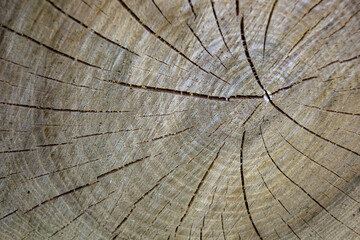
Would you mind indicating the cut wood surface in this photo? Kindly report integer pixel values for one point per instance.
(184, 119)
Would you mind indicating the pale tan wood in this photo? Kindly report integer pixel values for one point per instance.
(179, 119)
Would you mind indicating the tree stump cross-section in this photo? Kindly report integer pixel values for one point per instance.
(184, 119)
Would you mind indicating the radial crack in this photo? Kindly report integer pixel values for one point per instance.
(301, 188)
(243, 186)
(198, 188)
(166, 42)
(269, 98)
(268, 24)
(218, 25)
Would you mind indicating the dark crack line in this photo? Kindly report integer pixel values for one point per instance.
(237, 7)
(107, 133)
(243, 186)
(192, 8)
(158, 214)
(51, 48)
(282, 205)
(329, 110)
(342, 191)
(222, 226)
(291, 30)
(153, 1)
(18, 151)
(198, 188)
(267, 25)
(294, 84)
(272, 103)
(61, 195)
(199, 40)
(64, 169)
(152, 189)
(344, 23)
(166, 135)
(218, 25)
(211, 203)
(9, 214)
(301, 188)
(311, 131)
(15, 63)
(87, 27)
(203, 46)
(290, 228)
(67, 83)
(307, 31)
(9, 175)
(122, 167)
(247, 54)
(319, 164)
(182, 93)
(69, 110)
(81, 214)
(166, 42)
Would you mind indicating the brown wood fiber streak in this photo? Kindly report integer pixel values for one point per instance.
(243, 186)
(81, 214)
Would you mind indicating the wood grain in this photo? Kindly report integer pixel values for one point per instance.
(181, 119)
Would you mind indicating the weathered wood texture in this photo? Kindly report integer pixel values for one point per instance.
(180, 119)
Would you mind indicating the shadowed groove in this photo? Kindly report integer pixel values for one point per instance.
(9, 214)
